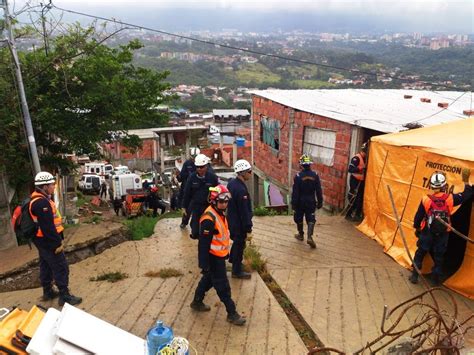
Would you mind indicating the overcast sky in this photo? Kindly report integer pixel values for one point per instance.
(385, 15)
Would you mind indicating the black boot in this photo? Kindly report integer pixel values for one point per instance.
(66, 297)
(199, 306)
(49, 293)
(236, 319)
(242, 275)
(300, 235)
(413, 277)
(310, 240)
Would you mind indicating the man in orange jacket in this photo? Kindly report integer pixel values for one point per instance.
(49, 241)
(431, 233)
(213, 249)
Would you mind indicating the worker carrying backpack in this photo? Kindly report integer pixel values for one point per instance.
(438, 209)
(23, 224)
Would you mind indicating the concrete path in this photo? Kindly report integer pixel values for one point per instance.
(135, 303)
(341, 287)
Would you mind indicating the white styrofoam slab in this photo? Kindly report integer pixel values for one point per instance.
(62, 347)
(44, 338)
(95, 335)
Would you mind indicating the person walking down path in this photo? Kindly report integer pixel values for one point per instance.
(239, 215)
(49, 241)
(306, 196)
(214, 245)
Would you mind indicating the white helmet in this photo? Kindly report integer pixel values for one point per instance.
(242, 165)
(44, 178)
(193, 151)
(437, 180)
(201, 160)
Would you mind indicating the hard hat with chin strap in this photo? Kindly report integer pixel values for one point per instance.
(437, 180)
(44, 178)
(305, 159)
(201, 160)
(242, 165)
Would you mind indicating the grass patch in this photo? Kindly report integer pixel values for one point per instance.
(165, 273)
(256, 73)
(263, 211)
(254, 259)
(141, 227)
(110, 277)
(94, 219)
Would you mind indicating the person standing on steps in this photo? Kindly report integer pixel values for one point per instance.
(433, 235)
(49, 241)
(307, 195)
(357, 168)
(187, 169)
(196, 192)
(239, 215)
(214, 245)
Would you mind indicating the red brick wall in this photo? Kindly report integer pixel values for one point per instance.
(275, 164)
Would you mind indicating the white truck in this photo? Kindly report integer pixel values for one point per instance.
(122, 183)
(121, 169)
(98, 168)
(90, 183)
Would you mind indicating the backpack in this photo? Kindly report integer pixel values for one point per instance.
(438, 209)
(23, 224)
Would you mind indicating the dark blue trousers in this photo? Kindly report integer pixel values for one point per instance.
(306, 210)
(216, 277)
(53, 267)
(196, 211)
(237, 252)
(437, 244)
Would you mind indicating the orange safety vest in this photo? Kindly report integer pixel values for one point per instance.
(58, 221)
(426, 201)
(360, 176)
(220, 244)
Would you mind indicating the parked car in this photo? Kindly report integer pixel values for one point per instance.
(89, 183)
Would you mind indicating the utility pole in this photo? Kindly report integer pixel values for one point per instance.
(21, 88)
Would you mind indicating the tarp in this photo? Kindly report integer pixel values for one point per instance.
(405, 162)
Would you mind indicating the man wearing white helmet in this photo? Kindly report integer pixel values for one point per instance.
(433, 235)
(49, 241)
(196, 192)
(239, 216)
(187, 169)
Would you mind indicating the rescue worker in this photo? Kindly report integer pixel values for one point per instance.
(239, 215)
(307, 195)
(355, 196)
(214, 245)
(196, 192)
(155, 201)
(433, 235)
(103, 189)
(49, 241)
(187, 169)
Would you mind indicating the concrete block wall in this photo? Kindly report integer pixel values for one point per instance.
(275, 164)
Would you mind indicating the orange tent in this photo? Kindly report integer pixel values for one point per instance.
(405, 162)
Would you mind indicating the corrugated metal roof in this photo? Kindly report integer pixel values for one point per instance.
(148, 133)
(380, 110)
(230, 112)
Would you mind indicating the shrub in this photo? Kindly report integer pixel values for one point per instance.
(264, 211)
(141, 227)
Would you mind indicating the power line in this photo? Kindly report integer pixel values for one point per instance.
(215, 44)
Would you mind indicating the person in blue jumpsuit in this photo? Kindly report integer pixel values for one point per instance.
(306, 189)
(49, 241)
(186, 170)
(239, 216)
(196, 192)
(432, 235)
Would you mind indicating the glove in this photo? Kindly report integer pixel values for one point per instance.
(465, 174)
(59, 249)
(320, 205)
(417, 233)
(183, 211)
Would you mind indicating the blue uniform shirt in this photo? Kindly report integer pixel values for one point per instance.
(306, 188)
(187, 169)
(239, 211)
(196, 190)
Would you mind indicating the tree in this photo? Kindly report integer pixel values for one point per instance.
(80, 94)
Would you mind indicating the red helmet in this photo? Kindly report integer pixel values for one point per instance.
(220, 192)
(154, 189)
